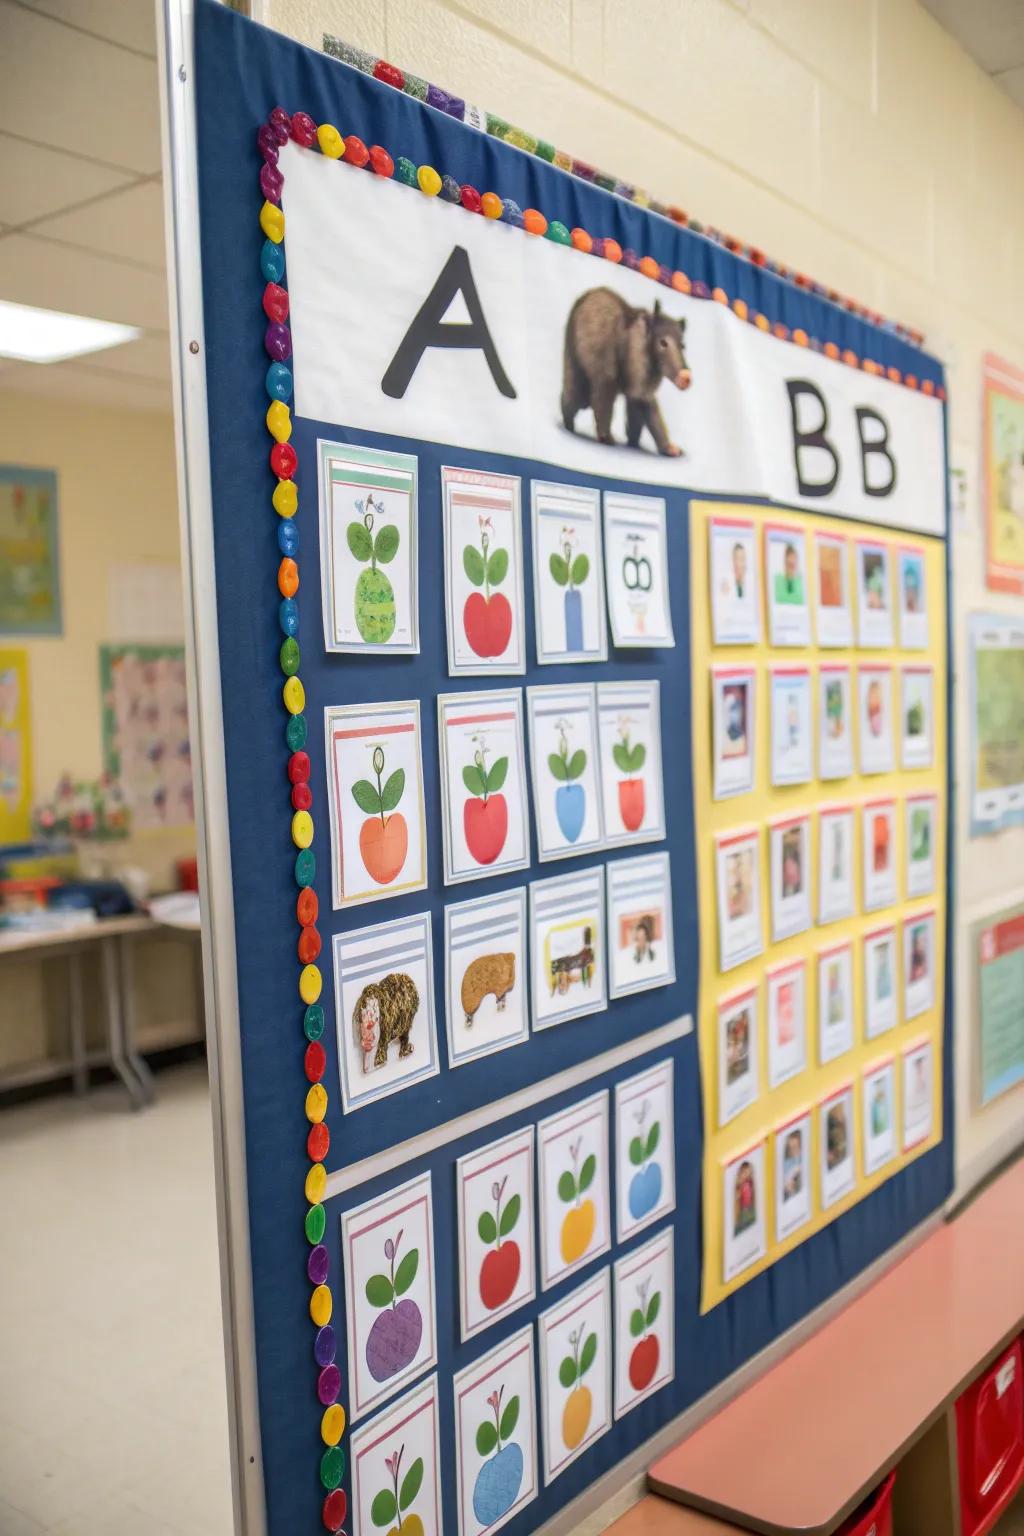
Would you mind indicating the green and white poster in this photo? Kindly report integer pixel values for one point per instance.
(29, 559)
(1001, 1003)
(997, 722)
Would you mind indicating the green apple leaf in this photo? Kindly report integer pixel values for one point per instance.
(473, 778)
(385, 545)
(638, 757)
(379, 1292)
(359, 541)
(486, 1438)
(653, 1308)
(473, 565)
(405, 1274)
(497, 567)
(509, 1216)
(580, 570)
(636, 1151)
(587, 1172)
(653, 1137)
(566, 1187)
(411, 1484)
(383, 1509)
(636, 1323)
(588, 1352)
(559, 569)
(394, 788)
(558, 766)
(496, 775)
(622, 757)
(577, 763)
(486, 1228)
(567, 1372)
(510, 1418)
(366, 797)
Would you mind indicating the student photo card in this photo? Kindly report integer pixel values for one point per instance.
(877, 754)
(874, 595)
(792, 740)
(567, 947)
(835, 722)
(916, 716)
(629, 745)
(881, 980)
(738, 868)
(564, 761)
(734, 738)
(396, 1466)
(496, 1450)
(918, 964)
(572, 1179)
(483, 572)
(837, 1168)
(497, 1274)
(576, 1358)
(787, 1021)
(836, 891)
(387, 1247)
(368, 556)
(789, 613)
(738, 1043)
(485, 818)
(834, 616)
(913, 598)
(636, 570)
(568, 573)
(878, 1115)
(920, 829)
(486, 986)
(917, 1093)
(835, 1002)
(644, 1150)
(644, 1322)
(375, 792)
(744, 1195)
(735, 581)
(789, 839)
(384, 1006)
(878, 824)
(792, 1144)
(641, 951)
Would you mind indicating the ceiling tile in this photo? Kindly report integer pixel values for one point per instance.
(40, 181)
(128, 224)
(992, 31)
(131, 22)
(53, 277)
(72, 89)
(69, 381)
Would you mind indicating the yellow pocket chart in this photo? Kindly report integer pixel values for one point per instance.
(15, 748)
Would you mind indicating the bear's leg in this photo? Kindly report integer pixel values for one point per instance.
(604, 400)
(381, 1058)
(659, 431)
(405, 1044)
(575, 392)
(636, 420)
(501, 1002)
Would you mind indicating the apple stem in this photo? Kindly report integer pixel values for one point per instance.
(497, 1413)
(484, 541)
(378, 768)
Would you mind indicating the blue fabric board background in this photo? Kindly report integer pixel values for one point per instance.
(242, 72)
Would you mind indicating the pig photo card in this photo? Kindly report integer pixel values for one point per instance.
(568, 573)
(636, 570)
(384, 1009)
(496, 1452)
(486, 978)
(485, 819)
(497, 1271)
(483, 572)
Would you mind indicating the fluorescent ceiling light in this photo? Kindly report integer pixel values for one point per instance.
(47, 336)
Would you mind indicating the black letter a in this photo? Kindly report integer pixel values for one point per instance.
(428, 329)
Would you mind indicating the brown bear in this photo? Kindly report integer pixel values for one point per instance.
(385, 1012)
(487, 974)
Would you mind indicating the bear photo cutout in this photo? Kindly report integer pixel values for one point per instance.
(384, 1006)
(496, 1257)
(486, 987)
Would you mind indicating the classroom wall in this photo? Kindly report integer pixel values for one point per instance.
(851, 139)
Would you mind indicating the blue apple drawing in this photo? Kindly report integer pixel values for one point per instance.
(570, 797)
(645, 1185)
(500, 1478)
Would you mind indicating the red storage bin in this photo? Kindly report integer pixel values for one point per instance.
(874, 1517)
(990, 1441)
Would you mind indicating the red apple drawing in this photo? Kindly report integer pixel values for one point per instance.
(485, 813)
(487, 615)
(499, 1272)
(643, 1362)
(629, 760)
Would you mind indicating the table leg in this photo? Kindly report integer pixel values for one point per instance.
(76, 1025)
(126, 966)
(115, 1022)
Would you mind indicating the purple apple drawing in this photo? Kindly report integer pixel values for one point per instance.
(395, 1335)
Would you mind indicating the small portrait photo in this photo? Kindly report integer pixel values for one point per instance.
(878, 820)
(735, 582)
(916, 716)
(743, 1215)
(913, 600)
(917, 1094)
(835, 724)
(835, 863)
(918, 964)
(790, 876)
(733, 724)
(835, 1002)
(920, 835)
(792, 1176)
(874, 602)
(877, 754)
(787, 1026)
(739, 898)
(834, 619)
(737, 1054)
(640, 925)
(789, 620)
(877, 1110)
(835, 1141)
(792, 752)
(881, 1007)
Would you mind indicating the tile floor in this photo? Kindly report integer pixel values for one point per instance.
(113, 1415)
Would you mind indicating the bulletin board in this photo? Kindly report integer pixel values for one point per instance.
(461, 651)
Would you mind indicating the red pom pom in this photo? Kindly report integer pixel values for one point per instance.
(470, 199)
(283, 460)
(356, 152)
(381, 162)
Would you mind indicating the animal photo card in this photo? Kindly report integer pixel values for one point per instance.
(564, 759)
(483, 572)
(368, 558)
(396, 1467)
(645, 1356)
(877, 754)
(837, 1170)
(738, 1043)
(575, 1373)
(629, 740)
(733, 703)
(919, 832)
(881, 999)
(568, 573)
(636, 570)
(874, 595)
(641, 951)
(496, 1462)
(572, 1156)
(787, 1021)
(913, 596)
(738, 877)
(375, 791)
(789, 839)
(789, 612)
(918, 964)
(916, 717)
(387, 1248)
(834, 617)
(735, 581)
(792, 740)
(384, 1006)
(497, 1273)
(917, 1094)
(485, 815)
(835, 1002)
(644, 1150)
(878, 1115)
(835, 722)
(835, 863)
(744, 1226)
(878, 824)
(792, 1145)
(567, 947)
(486, 989)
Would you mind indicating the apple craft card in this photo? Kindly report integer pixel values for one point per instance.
(644, 1150)
(387, 1248)
(792, 1144)
(572, 1157)
(375, 792)
(735, 580)
(878, 825)
(919, 833)
(912, 585)
(496, 1259)
(834, 617)
(881, 981)
(396, 1469)
(486, 985)
(567, 947)
(644, 1317)
(874, 595)
(737, 1042)
(629, 739)
(384, 1008)
(575, 1373)
(485, 821)
(878, 1115)
(368, 559)
(786, 580)
(483, 572)
(917, 1094)
(916, 717)
(496, 1464)
(568, 573)
(564, 761)
(636, 570)
(641, 951)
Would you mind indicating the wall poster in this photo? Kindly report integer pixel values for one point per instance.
(996, 684)
(1003, 469)
(29, 552)
(999, 956)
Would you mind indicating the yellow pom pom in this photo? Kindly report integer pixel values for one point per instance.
(285, 498)
(331, 142)
(321, 1305)
(429, 180)
(279, 421)
(332, 1425)
(316, 1183)
(302, 829)
(316, 1105)
(310, 983)
(272, 222)
(294, 696)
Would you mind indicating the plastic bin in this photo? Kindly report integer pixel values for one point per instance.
(990, 1441)
(874, 1517)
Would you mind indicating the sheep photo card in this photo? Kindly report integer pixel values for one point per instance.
(384, 1006)
(486, 983)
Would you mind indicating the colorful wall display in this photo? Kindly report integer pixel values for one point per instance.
(29, 552)
(996, 690)
(999, 956)
(15, 747)
(1003, 472)
(145, 732)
